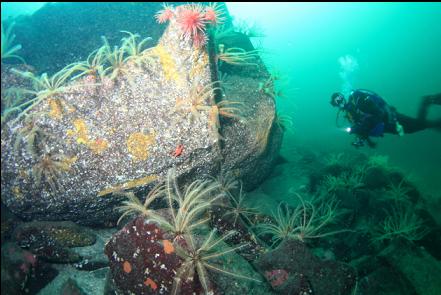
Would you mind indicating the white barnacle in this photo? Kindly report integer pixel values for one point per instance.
(156, 255)
(163, 288)
(163, 266)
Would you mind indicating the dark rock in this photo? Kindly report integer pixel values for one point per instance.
(43, 275)
(8, 223)
(376, 178)
(9, 79)
(354, 245)
(66, 233)
(225, 222)
(432, 241)
(347, 198)
(280, 160)
(139, 262)
(383, 281)
(51, 240)
(51, 251)
(366, 265)
(420, 269)
(434, 207)
(22, 272)
(251, 146)
(71, 287)
(143, 262)
(16, 265)
(292, 269)
(10, 97)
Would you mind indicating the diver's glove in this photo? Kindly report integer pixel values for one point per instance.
(359, 142)
(399, 128)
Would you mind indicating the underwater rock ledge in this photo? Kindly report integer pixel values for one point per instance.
(97, 140)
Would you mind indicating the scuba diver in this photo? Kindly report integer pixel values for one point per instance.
(371, 116)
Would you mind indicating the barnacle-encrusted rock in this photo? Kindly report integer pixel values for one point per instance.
(51, 240)
(143, 261)
(66, 233)
(64, 159)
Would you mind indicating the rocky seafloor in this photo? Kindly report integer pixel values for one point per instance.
(361, 226)
(48, 257)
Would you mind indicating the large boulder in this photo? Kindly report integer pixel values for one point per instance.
(71, 152)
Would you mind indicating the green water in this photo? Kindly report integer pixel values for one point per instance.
(397, 46)
(12, 9)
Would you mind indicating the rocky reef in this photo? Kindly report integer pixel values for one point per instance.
(172, 143)
(87, 135)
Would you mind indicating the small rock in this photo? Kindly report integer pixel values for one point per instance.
(22, 272)
(71, 288)
(139, 262)
(65, 233)
(292, 269)
(416, 265)
(51, 240)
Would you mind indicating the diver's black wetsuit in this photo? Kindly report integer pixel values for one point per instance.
(372, 116)
(369, 114)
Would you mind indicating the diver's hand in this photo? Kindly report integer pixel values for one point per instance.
(359, 142)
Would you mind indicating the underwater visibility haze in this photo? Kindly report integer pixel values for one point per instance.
(194, 148)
